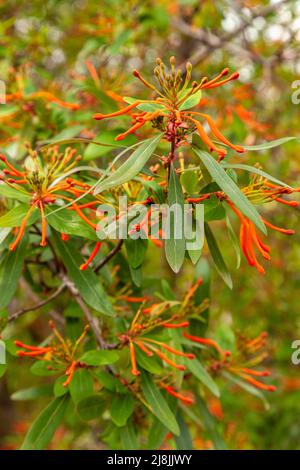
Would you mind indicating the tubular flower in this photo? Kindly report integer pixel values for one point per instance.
(185, 398)
(169, 111)
(137, 337)
(44, 181)
(259, 191)
(61, 354)
(41, 94)
(209, 343)
(250, 354)
(250, 240)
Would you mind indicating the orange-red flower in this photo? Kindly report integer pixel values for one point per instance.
(258, 191)
(251, 241)
(250, 354)
(45, 181)
(61, 354)
(169, 111)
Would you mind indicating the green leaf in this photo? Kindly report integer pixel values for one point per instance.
(136, 251)
(230, 188)
(191, 101)
(253, 169)
(131, 167)
(109, 381)
(184, 440)
(99, 358)
(158, 404)
(44, 427)
(150, 364)
(91, 407)
(14, 217)
(196, 368)
(211, 425)
(271, 144)
(82, 385)
(10, 272)
(12, 193)
(136, 275)
(3, 368)
(213, 209)
(175, 243)
(247, 387)
(148, 107)
(88, 284)
(67, 133)
(59, 389)
(195, 255)
(128, 437)
(4, 232)
(156, 434)
(235, 241)
(121, 408)
(3, 320)
(94, 150)
(189, 180)
(69, 222)
(217, 256)
(41, 368)
(76, 140)
(32, 393)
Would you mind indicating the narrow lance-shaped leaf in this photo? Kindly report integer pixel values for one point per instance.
(234, 240)
(217, 256)
(271, 144)
(265, 145)
(175, 242)
(128, 437)
(196, 368)
(211, 425)
(131, 167)
(184, 440)
(43, 428)
(230, 188)
(257, 171)
(158, 404)
(88, 284)
(10, 272)
(15, 216)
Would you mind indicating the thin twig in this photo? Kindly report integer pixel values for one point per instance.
(110, 255)
(40, 304)
(75, 293)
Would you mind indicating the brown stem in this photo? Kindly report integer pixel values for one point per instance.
(110, 255)
(40, 304)
(96, 330)
(171, 155)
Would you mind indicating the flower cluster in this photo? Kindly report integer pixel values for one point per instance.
(259, 191)
(146, 333)
(45, 181)
(61, 354)
(250, 353)
(169, 110)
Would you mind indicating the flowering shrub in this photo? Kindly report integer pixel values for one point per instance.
(122, 350)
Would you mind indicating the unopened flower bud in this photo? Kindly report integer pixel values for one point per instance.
(189, 67)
